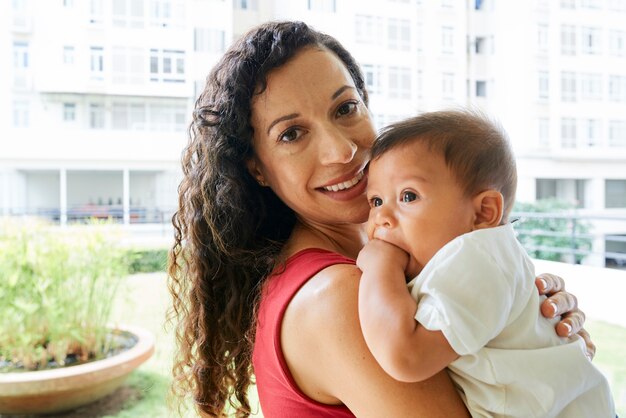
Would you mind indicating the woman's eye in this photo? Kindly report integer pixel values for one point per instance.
(408, 196)
(347, 108)
(290, 135)
(375, 202)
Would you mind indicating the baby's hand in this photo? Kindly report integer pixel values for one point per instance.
(379, 254)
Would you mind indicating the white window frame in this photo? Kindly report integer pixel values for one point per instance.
(568, 133)
(69, 112)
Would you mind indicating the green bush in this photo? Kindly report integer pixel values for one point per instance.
(539, 234)
(147, 260)
(56, 290)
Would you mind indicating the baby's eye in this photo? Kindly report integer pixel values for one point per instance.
(408, 196)
(376, 201)
(347, 108)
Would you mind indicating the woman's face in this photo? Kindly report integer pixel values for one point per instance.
(312, 136)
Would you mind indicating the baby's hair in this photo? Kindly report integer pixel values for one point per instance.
(475, 148)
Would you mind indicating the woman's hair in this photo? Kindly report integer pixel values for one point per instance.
(475, 148)
(228, 229)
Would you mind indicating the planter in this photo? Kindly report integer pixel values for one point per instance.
(62, 389)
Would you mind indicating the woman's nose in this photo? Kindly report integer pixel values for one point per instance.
(337, 147)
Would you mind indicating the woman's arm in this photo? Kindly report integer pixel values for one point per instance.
(324, 347)
(560, 302)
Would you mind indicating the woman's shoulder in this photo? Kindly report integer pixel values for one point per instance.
(320, 323)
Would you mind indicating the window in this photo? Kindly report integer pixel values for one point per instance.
(95, 12)
(398, 34)
(591, 38)
(447, 85)
(617, 43)
(167, 117)
(568, 40)
(591, 86)
(617, 133)
(96, 116)
(128, 116)
(545, 189)
(69, 112)
(542, 37)
(590, 4)
(167, 65)
(127, 65)
(399, 83)
(479, 4)
(480, 45)
(20, 55)
(68, 55)
(592, 129)
(543, 85)
(615, 194)
(617, 88)
(209, 40)
(447, 39)
(571, 190)
(543, 131)
(167, 13)
(246, 4)
(96, 60)
(568, 4)
(617, 5)
(481, 88)
(371, 74)
(128, 13)
(68, 3)
(447, 3)
(368, 29)
(328, 6)
(568, 86)
(568, 133)
(21, 114)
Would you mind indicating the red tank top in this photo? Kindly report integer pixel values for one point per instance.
(279, 394)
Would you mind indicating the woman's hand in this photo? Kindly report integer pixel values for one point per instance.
(560, 302)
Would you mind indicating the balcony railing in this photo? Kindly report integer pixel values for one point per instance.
(573, 238)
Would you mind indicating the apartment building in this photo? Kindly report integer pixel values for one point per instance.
(554, 72)
(95, 114)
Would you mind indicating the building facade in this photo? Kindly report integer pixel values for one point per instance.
(97, 94)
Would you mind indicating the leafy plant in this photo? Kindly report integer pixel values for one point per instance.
(553, 232)
(56, 292)
(147, 260)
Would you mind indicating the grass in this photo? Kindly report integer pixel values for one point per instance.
(146, 300)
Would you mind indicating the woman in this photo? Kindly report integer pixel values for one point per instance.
(274, 179)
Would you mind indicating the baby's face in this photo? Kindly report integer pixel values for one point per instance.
(415, 203)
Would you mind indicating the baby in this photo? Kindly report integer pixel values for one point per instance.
(441, 186)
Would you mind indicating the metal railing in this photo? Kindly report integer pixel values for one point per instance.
(572, 237)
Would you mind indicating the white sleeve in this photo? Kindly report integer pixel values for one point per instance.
(463, 293)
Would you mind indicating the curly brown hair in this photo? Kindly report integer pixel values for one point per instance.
(228, 231)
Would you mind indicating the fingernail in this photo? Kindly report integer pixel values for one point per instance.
(555, 310)
(569, 328)
(544, 284)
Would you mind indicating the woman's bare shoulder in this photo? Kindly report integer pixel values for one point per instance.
(327, 356)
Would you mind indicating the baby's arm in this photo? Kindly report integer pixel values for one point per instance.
(405, 350)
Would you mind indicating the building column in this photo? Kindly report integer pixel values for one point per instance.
(63, 196)
(126, 196)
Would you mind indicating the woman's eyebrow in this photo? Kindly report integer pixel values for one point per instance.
(280, 119)
(341, 90)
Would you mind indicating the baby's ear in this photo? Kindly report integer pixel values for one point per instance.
(488, 207)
